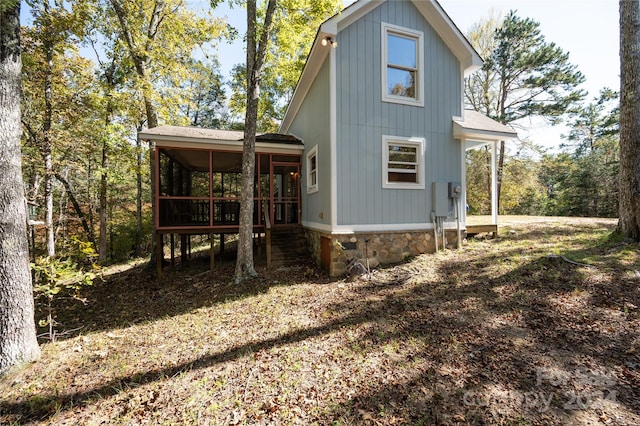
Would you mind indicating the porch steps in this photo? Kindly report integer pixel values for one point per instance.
(289, 247)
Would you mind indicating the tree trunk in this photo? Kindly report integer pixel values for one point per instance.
(629, 222)
(141, 64)
(139, 193)
(256, 52)
(17, 327)
(104, 164)
(47, 145)
(102, 250)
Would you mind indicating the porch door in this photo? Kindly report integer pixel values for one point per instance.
(285, 193)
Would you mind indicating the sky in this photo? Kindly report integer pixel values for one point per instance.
(587, 29)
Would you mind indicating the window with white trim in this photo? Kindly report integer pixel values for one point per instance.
(402, 162)
(312, 170)
(402, 65)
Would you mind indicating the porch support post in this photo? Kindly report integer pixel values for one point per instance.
(494, 183)
(212, 249)
(159, 256)
(173, 249)
(268, 244)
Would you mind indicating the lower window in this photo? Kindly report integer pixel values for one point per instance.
(402, 162)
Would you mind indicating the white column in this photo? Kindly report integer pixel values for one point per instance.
(463, 197)
(494, 183)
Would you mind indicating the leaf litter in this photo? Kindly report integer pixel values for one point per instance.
(498, 332)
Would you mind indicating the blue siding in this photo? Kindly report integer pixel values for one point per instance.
(312, 125)
(362, 119)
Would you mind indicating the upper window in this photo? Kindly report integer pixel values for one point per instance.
(402, 65)
(402, 162)
(312, 170)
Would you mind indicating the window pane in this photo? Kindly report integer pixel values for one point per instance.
(401, 51)
(313, 162)
(406, 154)
(401, 82)
(402, 177)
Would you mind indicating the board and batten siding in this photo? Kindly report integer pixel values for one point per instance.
(311, 123)
(362, 120)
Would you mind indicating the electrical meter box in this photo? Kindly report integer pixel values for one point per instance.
(440, 198)
(455, 190)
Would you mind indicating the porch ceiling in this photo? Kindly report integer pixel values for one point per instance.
(223, 161)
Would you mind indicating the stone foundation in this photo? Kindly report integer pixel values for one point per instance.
(378, 247)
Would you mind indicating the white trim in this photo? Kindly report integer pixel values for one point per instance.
(261, 147)
(463, 197)
(431, 11)
(348, 16)
(469, 58)
(317, 226)
(494, 183)
(333, 136)
(311, 187)
(419, 144)
(418, 36)
(396, 227)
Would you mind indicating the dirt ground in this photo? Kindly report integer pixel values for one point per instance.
(539, 326)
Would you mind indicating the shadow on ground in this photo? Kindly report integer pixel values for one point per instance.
(492, 337)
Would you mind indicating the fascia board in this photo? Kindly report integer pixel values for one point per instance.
(349, 15)
(451, 34)
(460, 132)
(200, 143)
(319, 53)
(316, 58)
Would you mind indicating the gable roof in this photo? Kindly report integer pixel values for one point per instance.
(432, 12)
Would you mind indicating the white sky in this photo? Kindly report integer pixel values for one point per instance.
(587, 29)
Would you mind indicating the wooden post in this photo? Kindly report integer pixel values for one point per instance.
(183, 249)
(212, 249)
(159, 256)
(268, 238)
(267, 233)
(173, 248)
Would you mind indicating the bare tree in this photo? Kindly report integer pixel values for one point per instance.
(17, 327)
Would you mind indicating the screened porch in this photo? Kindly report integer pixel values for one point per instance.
(200, 190)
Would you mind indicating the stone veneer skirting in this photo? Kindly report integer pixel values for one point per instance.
(378, 247)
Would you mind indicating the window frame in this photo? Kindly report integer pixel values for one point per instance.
(419, 144)
(418, 36)
(313, 153)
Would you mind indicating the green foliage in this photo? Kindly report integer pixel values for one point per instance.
(122, 235)
(294, 27)
(54, 278)
(583, 180)
(523, 77)
(535, 77)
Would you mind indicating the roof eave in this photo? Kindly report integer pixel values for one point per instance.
(484, 135)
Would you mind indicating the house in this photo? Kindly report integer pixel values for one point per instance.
(379, 108)
(373, 144)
